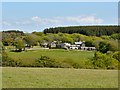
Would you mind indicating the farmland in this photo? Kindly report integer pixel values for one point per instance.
(19, 77)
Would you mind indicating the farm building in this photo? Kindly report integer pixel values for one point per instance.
(44, 44)
(77, 45)
(74, 47)
(88, 48)
(52, 44)
(63, 45)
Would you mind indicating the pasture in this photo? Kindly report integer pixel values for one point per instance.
(19, 77)
(57, 54)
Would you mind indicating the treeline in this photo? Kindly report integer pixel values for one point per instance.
(38, 38)
(86, 30)
(13, 31)
(8, 37)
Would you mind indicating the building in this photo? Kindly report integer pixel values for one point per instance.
(44, 44)
(88, 48)
(81, 44)
(77, 46)
(52, 44)
(74, 47)
(63, 45)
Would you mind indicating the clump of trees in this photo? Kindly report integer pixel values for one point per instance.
(103, 61)
(115, 36)
(85, 30)
(8, 37)
(105, 46)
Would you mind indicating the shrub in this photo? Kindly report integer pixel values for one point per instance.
(8, 61)
(45, 61)
(76, 65)
(105, 37)
(116, 55)
(109, 53)
(103, 61)
(115, 36)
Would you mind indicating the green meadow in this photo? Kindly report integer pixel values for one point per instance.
(19, 77)
(28, 77)
(57, 54)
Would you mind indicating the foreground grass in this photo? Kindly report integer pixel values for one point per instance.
(18, 77)
(58, 54)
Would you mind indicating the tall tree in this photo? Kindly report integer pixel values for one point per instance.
(19, 44)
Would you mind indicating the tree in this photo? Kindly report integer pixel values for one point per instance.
(103, 47)
(104, 61)
(46, 38)
(89, 43)
(116, 55)
(105, 37)
(113, 46)
(115, 36)
(30, 39)
(66, 39)
(19, 44)
(86, 30)
(38, 33)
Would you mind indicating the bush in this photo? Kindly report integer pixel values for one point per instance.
(116, 55)
(45, 61)
(8, 61)
(76, 65)
(105, 37)
(109, 53)
(115, 36)
(103, 61)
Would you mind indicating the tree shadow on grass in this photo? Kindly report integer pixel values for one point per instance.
(15, 51)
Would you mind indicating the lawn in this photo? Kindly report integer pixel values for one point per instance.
(19, 77)
(58, 54)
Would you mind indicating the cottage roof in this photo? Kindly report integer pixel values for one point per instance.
(78, 42)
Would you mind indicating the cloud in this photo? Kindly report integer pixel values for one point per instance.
(46, 20)
(40, 23)
(69, 19)
(99, 21)
(36, 18)
(22, 22)
(6, 24)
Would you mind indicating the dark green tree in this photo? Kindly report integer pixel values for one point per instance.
(19, 44)
(103, 47)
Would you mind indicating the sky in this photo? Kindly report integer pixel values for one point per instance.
(37, 16)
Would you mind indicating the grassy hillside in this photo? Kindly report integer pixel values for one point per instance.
(58, 54)
(18, 77)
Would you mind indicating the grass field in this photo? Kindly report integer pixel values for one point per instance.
(58, 54)
(19, 77)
